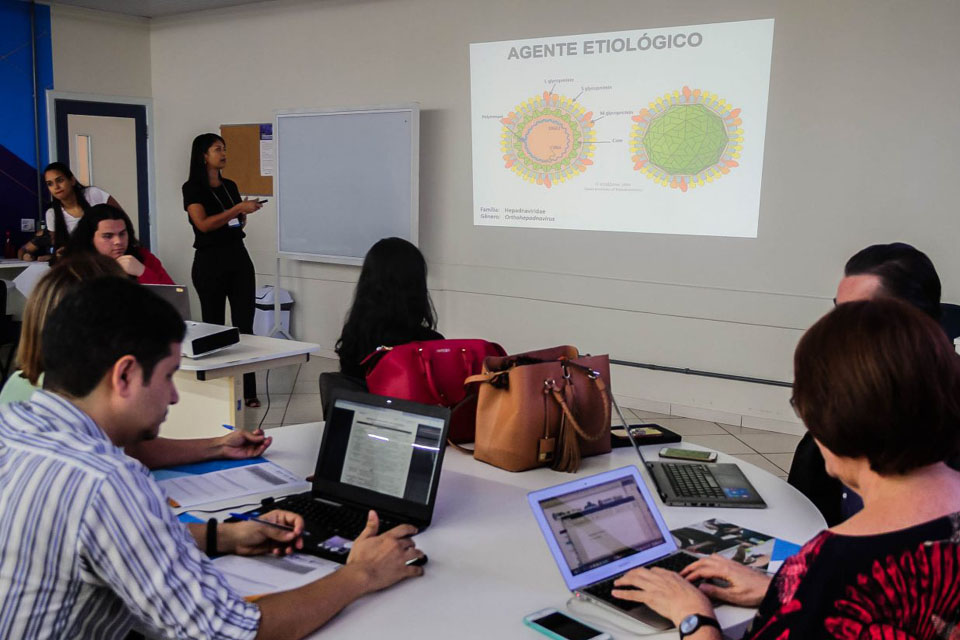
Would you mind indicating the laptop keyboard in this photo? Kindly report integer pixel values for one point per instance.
(692, 480)
(325, 521)
(674, 562)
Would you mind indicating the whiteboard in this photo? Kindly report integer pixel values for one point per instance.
(345, 179)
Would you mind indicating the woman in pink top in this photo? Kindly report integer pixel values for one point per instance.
(107, 230)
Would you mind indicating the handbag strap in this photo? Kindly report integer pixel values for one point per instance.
(484, 377)
(376, 352)
(428, 374)
(551, 386)
(453, 444)
(459, 447)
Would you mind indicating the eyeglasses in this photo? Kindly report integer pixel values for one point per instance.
(793, 405)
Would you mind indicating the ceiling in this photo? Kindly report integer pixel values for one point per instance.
(153, 8)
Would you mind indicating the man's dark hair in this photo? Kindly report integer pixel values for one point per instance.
(904, 271)
(97, 324)
(879, 379)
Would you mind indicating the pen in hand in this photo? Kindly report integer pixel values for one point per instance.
(245, 516)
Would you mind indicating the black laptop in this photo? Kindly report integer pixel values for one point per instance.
(377, 453)
(696, 484)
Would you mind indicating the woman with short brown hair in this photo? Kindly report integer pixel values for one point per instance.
(877, 383)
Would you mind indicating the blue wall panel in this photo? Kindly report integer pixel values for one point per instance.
(18, 157)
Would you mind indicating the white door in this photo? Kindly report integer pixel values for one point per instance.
(103, 153)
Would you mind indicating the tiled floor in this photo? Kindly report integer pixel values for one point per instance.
(295, 398)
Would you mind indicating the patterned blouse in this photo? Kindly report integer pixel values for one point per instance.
(902, 585)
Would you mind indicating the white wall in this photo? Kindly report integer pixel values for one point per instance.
(102, 53)
(861, 147)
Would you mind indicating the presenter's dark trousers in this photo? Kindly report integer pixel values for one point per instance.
(221, 274)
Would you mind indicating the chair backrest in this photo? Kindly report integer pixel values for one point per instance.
(332, 381)
(950, 319)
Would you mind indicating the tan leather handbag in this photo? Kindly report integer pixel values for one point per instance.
(548, 407)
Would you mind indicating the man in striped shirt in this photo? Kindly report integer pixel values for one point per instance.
(88, 546)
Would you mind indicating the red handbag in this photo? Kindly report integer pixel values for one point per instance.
(433, 372)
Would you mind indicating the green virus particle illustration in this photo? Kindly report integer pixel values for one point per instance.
(686, 139)
(548, 139)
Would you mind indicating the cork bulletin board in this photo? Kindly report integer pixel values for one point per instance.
(243, 159)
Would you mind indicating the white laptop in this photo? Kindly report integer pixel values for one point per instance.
(602, 526)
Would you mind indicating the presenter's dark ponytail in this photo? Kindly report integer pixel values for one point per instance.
(198, 168)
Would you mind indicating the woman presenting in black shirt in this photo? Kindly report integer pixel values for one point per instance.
(222, 268)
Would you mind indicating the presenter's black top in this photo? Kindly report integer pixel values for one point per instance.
(214, 201)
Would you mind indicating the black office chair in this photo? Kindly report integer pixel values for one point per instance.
(333, 381)
(950, 319)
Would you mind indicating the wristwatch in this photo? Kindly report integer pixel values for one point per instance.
(692, 623)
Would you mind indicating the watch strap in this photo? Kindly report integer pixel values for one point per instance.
(702, 621)
(212, 538)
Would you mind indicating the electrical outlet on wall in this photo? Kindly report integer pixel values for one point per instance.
(27, 224)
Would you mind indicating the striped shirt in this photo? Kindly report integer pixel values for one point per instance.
(88, 546)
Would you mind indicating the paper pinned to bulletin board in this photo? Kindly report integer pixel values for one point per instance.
(266, 150)
(250, 158)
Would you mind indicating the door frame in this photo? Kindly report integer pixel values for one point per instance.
(53, 96)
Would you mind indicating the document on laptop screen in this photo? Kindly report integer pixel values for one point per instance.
(391, 452)
(601, 524)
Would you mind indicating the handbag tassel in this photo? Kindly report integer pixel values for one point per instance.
(568, 456)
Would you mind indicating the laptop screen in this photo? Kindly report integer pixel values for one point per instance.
(600, 526)
(387, 451)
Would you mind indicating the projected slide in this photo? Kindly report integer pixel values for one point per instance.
(656, 130)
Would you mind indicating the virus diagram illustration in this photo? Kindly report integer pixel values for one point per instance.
(548, 139)
(686, 139)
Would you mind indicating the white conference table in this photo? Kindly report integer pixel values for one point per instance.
(488, 563)
(208, 386)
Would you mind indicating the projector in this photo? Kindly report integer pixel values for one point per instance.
(202, 339)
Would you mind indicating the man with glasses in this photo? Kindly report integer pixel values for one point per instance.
(895, 270)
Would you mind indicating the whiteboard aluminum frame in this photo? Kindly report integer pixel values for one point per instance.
(413, 108)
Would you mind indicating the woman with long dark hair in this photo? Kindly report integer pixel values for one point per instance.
(108, 231)
(391, 305)
(222, 269)
(69, 201)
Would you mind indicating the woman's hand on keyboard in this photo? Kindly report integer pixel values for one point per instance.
(741, 585)
(384, 557)
(663, 591)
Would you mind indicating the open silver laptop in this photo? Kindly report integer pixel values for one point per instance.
(602, 526)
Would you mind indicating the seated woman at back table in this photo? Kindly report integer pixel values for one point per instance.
(391, 305)
(108, 231)
(877, 383)
(160, 452)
